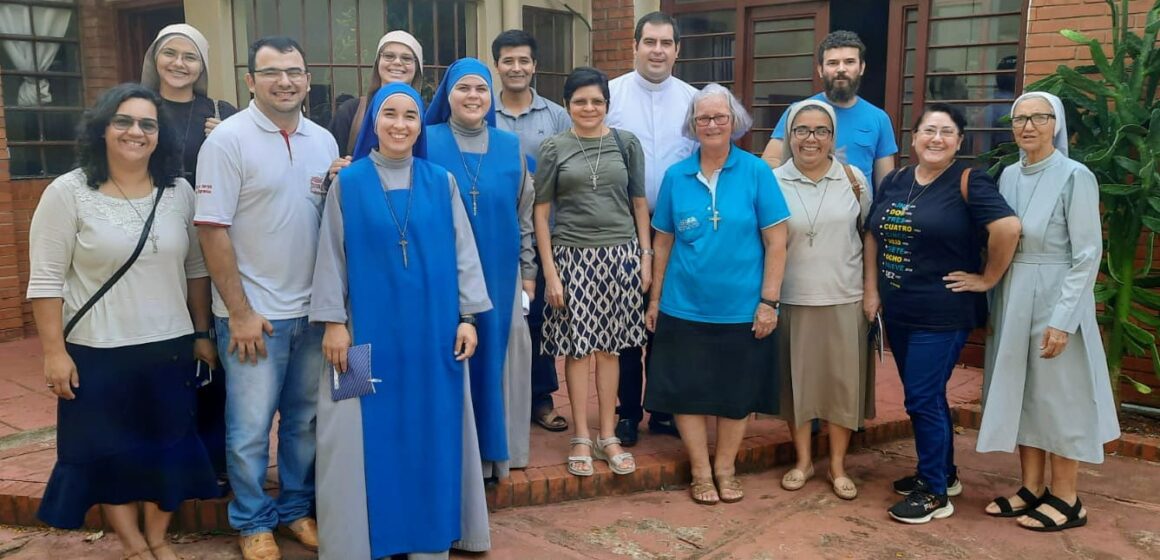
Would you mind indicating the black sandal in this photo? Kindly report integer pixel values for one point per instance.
(1049, 525)
(1030, 502)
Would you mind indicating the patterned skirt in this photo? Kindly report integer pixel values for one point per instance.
(603, 304)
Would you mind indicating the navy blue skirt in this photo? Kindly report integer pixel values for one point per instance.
(130, 435)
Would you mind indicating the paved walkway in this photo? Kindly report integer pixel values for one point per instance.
(1122, 497)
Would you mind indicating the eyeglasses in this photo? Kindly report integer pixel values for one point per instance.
(404, 59)
(803, 132)
(293, 74)
(125, 122)
(719, 120)
(1038, 119)
(931, 132)
(586, 102)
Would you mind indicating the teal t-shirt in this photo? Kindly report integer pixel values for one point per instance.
(715, 270)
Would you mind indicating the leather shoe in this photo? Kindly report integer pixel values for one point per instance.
(259, 546)
(626, 430)
(305, 530)
(667, 427)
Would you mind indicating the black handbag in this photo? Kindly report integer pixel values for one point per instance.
(72, 323)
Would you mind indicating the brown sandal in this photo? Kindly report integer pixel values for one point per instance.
(162, 546)
(551, 421)
(704, 492)
(729, 488)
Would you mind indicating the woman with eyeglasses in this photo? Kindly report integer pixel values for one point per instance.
(597, 259)
(826, 368)
(398, 59)
(1046, 390)
(720, 257)
(926, 275)
(124, 374)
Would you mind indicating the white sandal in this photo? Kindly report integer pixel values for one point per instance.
(584, 459)
(615, 462)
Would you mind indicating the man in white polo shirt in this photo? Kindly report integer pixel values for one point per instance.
(651, 103)
(259, 205)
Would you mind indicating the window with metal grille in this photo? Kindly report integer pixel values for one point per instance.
(553, 33)
(340, 36)
(40, 71)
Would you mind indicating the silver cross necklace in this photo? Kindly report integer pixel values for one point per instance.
(592, 168)
(152, 227)
(407, 218)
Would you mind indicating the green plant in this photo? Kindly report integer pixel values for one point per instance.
(1114, 118)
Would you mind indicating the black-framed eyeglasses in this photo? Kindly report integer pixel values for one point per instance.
(719, 120)
(1037, 119)
(125, 122)
(391, 58)
(803, 132)
(293, 74)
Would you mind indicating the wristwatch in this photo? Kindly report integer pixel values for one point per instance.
(207, 335)
(775, 304)
(468, 319)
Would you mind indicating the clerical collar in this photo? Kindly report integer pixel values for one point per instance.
(646, 84)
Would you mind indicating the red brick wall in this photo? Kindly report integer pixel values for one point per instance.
(18, 198)
(612, 26)
(1046, 49)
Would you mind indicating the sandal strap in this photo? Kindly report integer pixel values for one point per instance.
(1004, 504)
(1028, 497)
(1068, 511)
(620, 457)
(1042, 518)
(580, 459)
(607, 441)
(581, 441)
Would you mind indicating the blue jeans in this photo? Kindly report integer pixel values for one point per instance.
(286, 382)
(925, 360)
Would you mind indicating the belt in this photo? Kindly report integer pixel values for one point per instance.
(1042, 258)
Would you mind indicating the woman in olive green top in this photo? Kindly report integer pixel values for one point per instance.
(596, 258)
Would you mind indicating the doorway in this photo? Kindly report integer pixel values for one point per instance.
(870, 20)
(137, 28)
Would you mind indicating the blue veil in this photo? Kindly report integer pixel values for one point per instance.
(440, 110)
(367, 138)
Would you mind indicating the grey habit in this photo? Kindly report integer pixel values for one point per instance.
(343, 529)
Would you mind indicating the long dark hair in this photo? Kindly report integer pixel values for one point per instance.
(164, 164)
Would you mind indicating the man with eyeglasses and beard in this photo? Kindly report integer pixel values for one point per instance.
(866, 135)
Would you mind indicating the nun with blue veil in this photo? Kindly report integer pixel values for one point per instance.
(497, 192)
(398, 469)
(1046, 390)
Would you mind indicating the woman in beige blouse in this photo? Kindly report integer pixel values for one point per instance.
(823, 344)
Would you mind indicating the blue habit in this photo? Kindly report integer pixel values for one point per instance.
(412, 424)
(495, 220)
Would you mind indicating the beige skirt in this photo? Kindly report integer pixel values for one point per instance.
(827, 370)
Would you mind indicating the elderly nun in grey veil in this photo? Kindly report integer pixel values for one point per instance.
(1046, 390)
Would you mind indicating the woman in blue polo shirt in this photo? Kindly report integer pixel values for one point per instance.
(720, 257)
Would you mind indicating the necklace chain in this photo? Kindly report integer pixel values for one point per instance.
(812, 233)
(599, 148)
(474, 192)
(407, 218)
(133, 207)
(914, 183)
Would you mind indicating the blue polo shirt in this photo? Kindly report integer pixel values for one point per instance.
(864, 132)
(714, 275)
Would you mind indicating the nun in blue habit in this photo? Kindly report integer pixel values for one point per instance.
(398, 470)
(497, 192)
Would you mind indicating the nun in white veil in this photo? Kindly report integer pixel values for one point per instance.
(1046, 391)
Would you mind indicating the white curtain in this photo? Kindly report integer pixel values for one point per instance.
(47, 22)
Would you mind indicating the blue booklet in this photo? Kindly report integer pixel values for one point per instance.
(358, 379)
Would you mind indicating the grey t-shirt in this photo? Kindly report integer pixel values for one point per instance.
(587, 215)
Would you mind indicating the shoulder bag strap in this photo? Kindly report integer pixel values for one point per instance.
(356, 124)
(624, 156)
(966, 178)
(72, 323)
(856, 187)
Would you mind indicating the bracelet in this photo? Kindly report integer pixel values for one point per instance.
(649, 252)
(775, 304)
(467, 319)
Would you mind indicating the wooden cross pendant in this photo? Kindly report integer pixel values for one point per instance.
(474, 192)
(716, 218)
(403, 247)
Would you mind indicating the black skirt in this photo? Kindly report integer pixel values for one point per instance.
(130, 434)
(711, 369)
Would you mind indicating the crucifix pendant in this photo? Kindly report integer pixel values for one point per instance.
(811, 235)
(594, 178)
(153, 239)
(474, 192)
(403, 247)
(716, 218)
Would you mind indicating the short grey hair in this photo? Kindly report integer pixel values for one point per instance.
(742, 122)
